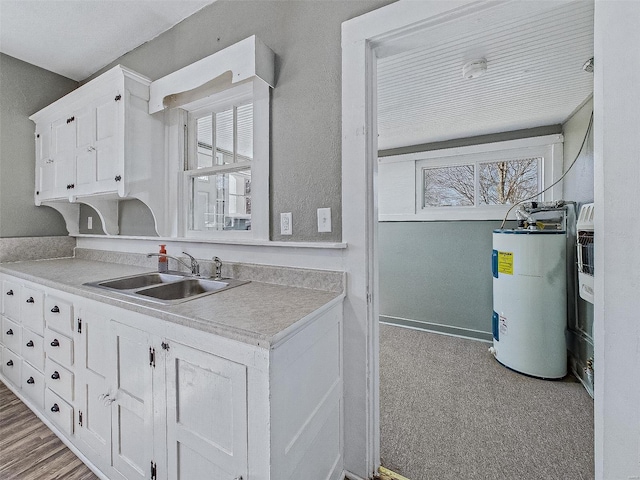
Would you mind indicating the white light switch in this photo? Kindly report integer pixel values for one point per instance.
(286, 227)
(324, 220)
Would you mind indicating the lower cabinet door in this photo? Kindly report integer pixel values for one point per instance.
(94, 398)
(132, 407)
(11, 367)
(206, 415)
(33, 384)
(33, 348)
(59, 411)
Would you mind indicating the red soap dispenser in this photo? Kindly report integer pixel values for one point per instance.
(163, 262)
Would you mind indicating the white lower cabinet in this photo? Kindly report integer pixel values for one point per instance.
(145, 399)
(131, 399)
(206, 415)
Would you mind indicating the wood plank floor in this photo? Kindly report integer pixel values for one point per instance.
(29, 450)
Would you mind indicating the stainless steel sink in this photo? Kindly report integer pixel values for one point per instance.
(166, 288)
(139, 281)
(185, 289)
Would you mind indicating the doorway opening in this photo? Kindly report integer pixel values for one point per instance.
(447, 34)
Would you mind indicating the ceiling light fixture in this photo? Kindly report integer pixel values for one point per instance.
(474, 68)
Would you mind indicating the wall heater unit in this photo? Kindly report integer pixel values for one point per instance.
(585, 251)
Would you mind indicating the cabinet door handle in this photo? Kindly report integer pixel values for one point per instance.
(10, 363)
(91, 149)
(30, 343)
(118, 178)
(10, 332)
(10, 292)
(31, 381)
(30, 300)
(55, 309)
(55, 408)
(55, 343)
(55, 375)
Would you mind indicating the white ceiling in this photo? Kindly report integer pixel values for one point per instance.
(534, 52)
(76, 38)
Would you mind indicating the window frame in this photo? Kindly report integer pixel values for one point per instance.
(257, 93)
(548, 147)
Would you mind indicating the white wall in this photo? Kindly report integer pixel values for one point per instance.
(617, 257)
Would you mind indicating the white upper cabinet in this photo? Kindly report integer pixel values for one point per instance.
(98, 145)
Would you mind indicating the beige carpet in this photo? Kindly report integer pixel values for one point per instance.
(448, 410)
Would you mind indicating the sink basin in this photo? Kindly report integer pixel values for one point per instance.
(184, 289)
(166, 288)
(140, 281)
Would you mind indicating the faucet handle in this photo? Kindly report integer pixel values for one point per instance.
(218, 263)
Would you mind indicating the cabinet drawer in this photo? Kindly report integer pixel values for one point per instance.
(33, 348)
(32, 309)
(59, 379)
(11, 334)
(11, 299)
(59, 411)
(11, 365)
(33, 384)
(58, 315)
(58, 347)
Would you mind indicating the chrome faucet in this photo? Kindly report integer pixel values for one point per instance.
(194, 266)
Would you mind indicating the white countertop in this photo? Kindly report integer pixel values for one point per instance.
(257, 313)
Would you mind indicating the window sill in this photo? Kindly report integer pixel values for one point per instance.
(222, 241)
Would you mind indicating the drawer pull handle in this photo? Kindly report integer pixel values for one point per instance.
(55, 309)
(10, 363)
(55, 343)
(30, 343)
(10, 292)
(30, 300)
(55, 375)
(55, 408)
(31, 381)
(10, 332)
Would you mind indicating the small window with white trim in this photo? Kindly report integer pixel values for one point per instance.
(478, 182)
(225, 157)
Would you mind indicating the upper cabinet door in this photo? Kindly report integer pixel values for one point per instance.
(206, 416)
(85, 150)
(45, 175)
(98, 157)
(63, 152)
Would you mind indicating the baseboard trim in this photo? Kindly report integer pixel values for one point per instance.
(437, 328)
(353, 476)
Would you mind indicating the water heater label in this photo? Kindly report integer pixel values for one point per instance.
(502, 324)
(505, 262)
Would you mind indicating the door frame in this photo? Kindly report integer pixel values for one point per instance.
(364, 39)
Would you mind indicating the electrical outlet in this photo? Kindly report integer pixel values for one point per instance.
(286, 224)
(324, 220)
(89, 223)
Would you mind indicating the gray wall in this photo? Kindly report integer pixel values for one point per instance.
(437, 275)
(305, 107)
(24, 89)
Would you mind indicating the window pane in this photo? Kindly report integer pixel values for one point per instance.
(224, 137)
(508, 182)
(221, 201)
(245, 132)
(204, 138)
(448, 186)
